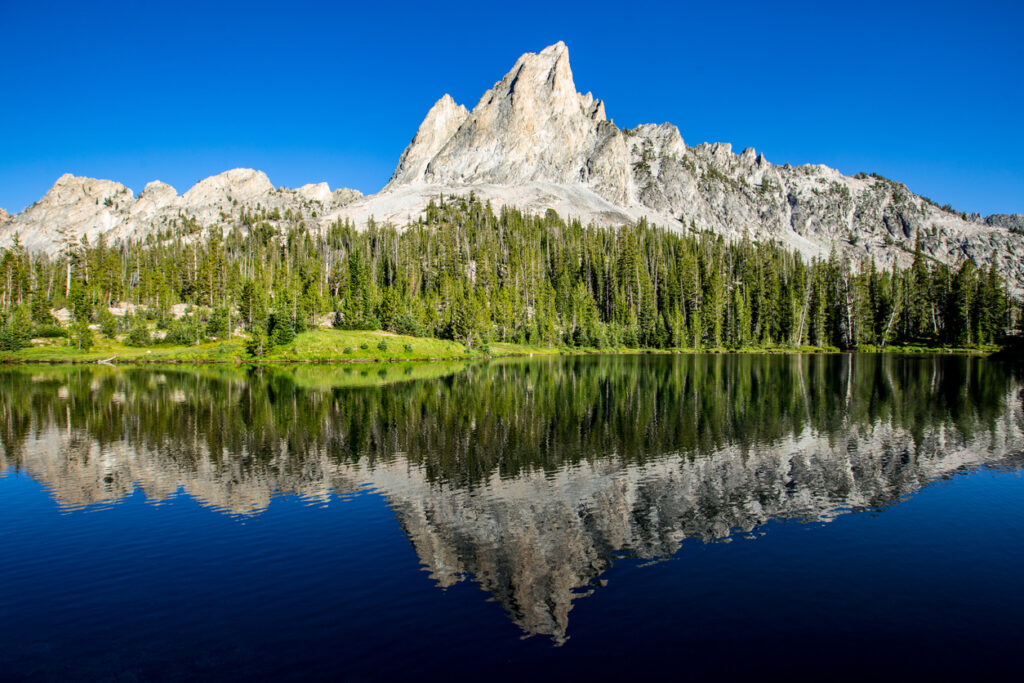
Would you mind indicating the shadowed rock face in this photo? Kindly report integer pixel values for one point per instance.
(530, 478)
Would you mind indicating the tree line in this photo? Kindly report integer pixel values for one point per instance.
(465, 272)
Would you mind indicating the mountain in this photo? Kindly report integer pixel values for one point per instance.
(534, 142)
(77, 207)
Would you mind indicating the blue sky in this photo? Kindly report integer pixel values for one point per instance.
(929, 93)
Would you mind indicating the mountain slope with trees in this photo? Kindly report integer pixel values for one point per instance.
(467, 273)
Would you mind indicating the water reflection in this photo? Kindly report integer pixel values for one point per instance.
(530, 477)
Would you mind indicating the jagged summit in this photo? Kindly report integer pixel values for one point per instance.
(443, 119)
(531, 126)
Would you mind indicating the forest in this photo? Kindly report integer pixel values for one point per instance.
(467, 273)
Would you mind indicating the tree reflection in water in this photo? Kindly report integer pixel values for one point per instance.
(529, 476)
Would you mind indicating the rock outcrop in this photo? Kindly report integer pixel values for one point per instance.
(1011, 221)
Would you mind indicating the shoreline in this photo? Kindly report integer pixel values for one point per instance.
(74, 357)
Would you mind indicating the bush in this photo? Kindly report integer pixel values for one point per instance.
(348, 349)
(108, 325)
(12, 338)
(81, 336)
(408, 348)
(217, 325)
(139, 335)
(364, 346)
(184, 332)
(257, 345)
(383, 345)
(365, 324)
(282, 329)
(49, 331)
(404, 323)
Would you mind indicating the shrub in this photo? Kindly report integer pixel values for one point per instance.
(382, 345)
(257, 345)
(49, 331)
(184, 332)
(12, 337)
(217, 325)
(408, 348)
(348, 349)
(282, 329)
(364, 346)
(139, 335)
(108, 325)
(404, 323)
(81, 336)
(365, 324)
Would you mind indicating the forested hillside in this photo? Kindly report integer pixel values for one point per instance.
(463, 272)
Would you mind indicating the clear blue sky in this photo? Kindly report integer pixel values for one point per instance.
(929, 93)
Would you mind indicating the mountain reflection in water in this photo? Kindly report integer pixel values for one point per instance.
(527, 476)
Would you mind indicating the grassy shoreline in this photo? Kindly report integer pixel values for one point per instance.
(342, 346)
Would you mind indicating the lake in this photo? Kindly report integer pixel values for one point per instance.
(808, 516)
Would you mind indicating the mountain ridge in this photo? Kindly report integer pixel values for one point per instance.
(532, 141)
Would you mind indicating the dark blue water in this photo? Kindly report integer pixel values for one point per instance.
(585, 518)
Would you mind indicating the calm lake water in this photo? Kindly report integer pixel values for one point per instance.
(815, 517)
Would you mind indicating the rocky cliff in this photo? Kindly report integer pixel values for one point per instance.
(534, 142)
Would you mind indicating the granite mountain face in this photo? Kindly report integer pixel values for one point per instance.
(534, 142)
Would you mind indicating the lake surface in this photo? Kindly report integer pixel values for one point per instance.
(815, 517)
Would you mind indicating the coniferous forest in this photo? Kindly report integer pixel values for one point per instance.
(466, 273)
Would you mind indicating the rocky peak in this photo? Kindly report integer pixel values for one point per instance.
(318, 192)
(543, 79)
(158, 193)
(241, 184)
(441, 122)
(531, 126)
(71, 188)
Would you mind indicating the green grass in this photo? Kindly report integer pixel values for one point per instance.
(106, 348)
(499, 349)
(911, 349)
(329, 345)
(316, 345)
